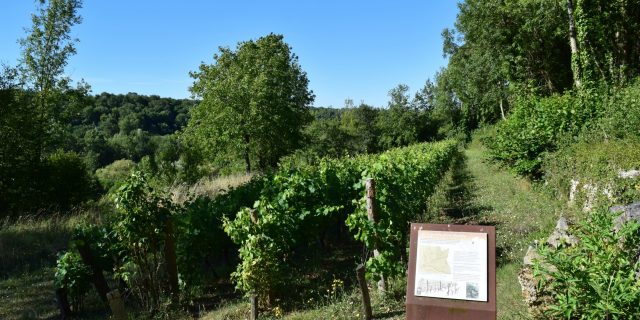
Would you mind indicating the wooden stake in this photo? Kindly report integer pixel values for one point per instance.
(117, 305)
(370, 185)
(254, 307)
(366, 300)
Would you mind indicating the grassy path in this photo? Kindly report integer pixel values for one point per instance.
(480, 193)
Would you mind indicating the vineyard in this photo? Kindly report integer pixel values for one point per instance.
(151, 242)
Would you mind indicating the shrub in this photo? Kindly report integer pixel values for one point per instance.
(66, 181)
(73, 276)
(537, 125)
(621, 118)
(111, 176)
(142, 227)
(596, 278)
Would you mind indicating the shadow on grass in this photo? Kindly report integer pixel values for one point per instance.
(31, 296)
(322, 274)
(457, 203)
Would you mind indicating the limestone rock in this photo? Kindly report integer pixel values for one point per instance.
(629, 174)
(561, 235)
(627, 213)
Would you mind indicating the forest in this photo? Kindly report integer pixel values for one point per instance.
(105, 192)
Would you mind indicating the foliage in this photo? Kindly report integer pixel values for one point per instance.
(254, 102)
(74, 276)
(404, 179)
(621, 117)
(111, 176)
(298, 202)
(46, 51)
(66, 181)
(401, 124)
(607, 33)
(141, 229)
(596, 278)
(497, 48)
(537, 124)
(203, 246)
(17, 161)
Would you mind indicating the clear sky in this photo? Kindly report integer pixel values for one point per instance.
(349, 49)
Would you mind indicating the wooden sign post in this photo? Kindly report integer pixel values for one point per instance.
(452, 272)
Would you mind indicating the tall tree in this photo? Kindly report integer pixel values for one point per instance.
(400, 124)
(255, 101)
(498, 48)
(45, 53)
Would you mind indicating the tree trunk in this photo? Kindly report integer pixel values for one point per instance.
(575, 50)
(502, 110)
(96, 273)
(247, 160)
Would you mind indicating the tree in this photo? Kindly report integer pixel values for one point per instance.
(499, 49)
(360, 124)
(16, 149)
(45, 52)
(255, 101)
(400, 124)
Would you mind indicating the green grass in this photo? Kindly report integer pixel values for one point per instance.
(28, 251)
(521, 215)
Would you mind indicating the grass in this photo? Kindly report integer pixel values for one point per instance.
(30, 242)
(29, 246)
(207, 186)
(482, 193)
(343, 305)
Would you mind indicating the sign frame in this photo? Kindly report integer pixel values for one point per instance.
(422, 308)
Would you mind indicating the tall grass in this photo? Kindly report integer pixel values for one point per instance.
(30, 242)
(207, 186)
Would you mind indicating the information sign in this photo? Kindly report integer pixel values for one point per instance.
(451, 272)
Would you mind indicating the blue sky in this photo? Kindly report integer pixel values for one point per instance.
(349, 49)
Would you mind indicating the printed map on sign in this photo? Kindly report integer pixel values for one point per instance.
(451, 265)
(434, 260)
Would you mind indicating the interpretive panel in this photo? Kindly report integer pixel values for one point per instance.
(451, 265)
(452, 272)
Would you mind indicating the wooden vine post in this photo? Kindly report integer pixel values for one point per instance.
(254, 306)
(117, 305)
(366, 300)
(370, 185)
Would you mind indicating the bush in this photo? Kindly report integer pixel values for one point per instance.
(113, 175)
(596, 278)
(66, 181)
(621, 118)
(74, 276)
(537, 125)
(144, 228)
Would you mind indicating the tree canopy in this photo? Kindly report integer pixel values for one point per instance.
(255, 102)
